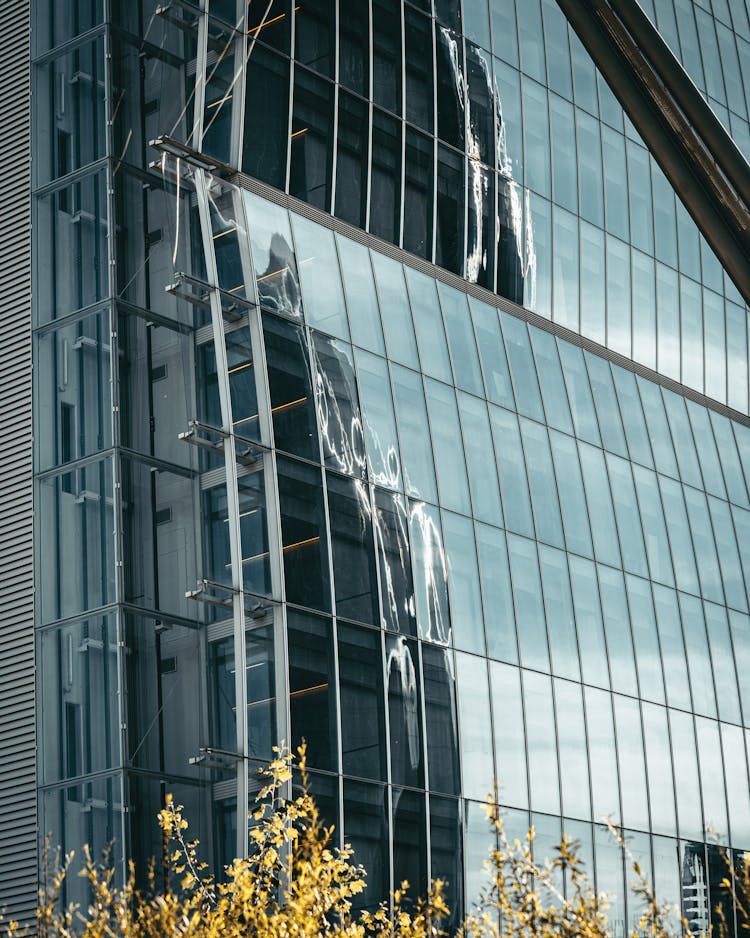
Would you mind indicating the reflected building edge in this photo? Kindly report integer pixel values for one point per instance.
(449, 524)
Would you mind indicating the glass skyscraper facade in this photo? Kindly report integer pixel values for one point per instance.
(386, 395)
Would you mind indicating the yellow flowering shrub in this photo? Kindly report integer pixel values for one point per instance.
(296, 884)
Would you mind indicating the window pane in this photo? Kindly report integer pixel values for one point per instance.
(440, 716)
(561, 627)
(354, 575)
(589, 621)
(461, 337)
(430, 569)
(361, 297)
(699, 663)
(527, 592)
(476, 731)
(599, 498)
(303, 534)
(273, 256)
(542, 483)
(312, 702)
(572, 499)
(480, 462)
(416, 449)
(463, 583)
(689, 816)
(492, 353)
(574, 771)
(394, 307)
(512, 472)
(433, 348)
(292, 402)
(672, 647)
(366, 829)
(617, 628)
(499, 618)
(551, 381)
(510, 748)
(523, 370)
(449, 458)
(339, 417)
(322, 294)
(394, 562)
(404, 711)
(361, 702)
(540, 735)
(380, 424)
(604, 781)
(645, 640)
(658, 758)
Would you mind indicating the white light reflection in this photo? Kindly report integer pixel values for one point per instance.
(400, 660)
(393, 613)
(430, 575)
(340, 428)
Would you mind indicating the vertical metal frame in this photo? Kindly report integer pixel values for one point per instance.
(202, 186)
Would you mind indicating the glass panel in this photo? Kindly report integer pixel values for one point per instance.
(322, 294)
(523, 371)
(632, 416)
(540, 735)
(485, 494)
(416, 450)
(604, 780)
(73, 393)
(440, 717)
(712, 778)
(689, 814)
(699, 662)
(498, 599)
(394, 562)
(303, 534)
(551, 381)
(527, 592)
(266, 115)
(433, 348)
(78, 691)
(731, 572)
(645, 639)
(461, 338)
(290, 387)
(354, 574)
(394, 308)
(476, 729)
(492, 353)
(380, 424)
(630, 758)
(542, 483)
(409, 842)
(610, 423)
(312, 696)
(730, 464)
(339, 416)
(362, 705)
(510, 748)
(579, 393)
(449, 458)
(599, 499)
(536, 135)
(658, 428)
(682, 436)
(617, 628)
(736, 780)
(78, 509)
(366, 829)
(654, 528)
(361, 297)
(404, 711)
(704, 545)
(430, 570)
(572, 499)
(312, 149)
(672, 647)
(722, 659)
(262, 735)
(628, 518)
(446, 860)
(561, 627)
(660, 790)
(463, 583)
(352, 151)
(70, 127)
(273, 256)
(571, 731)
(70, 257)
(512, 473)
(589, 621)
(705, 445)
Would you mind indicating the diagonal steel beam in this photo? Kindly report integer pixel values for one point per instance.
(695, 152)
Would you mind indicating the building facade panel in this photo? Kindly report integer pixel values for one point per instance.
(297, 482)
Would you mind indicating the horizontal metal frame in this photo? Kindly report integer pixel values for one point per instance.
(696, 154)
(480, 293)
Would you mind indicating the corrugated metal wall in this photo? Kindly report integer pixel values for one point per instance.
(18, 860)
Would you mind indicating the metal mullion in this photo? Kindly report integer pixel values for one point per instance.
(240, 85)
(199, 95)
(434, 139)
(402, 124)
(270, 479)
(235, 545)
(368, 193)
(290, 108)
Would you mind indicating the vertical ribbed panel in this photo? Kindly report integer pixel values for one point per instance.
(18, 854)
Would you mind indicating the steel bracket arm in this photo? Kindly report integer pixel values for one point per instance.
(697, 155)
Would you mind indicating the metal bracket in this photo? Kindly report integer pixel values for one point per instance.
(197, 291)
